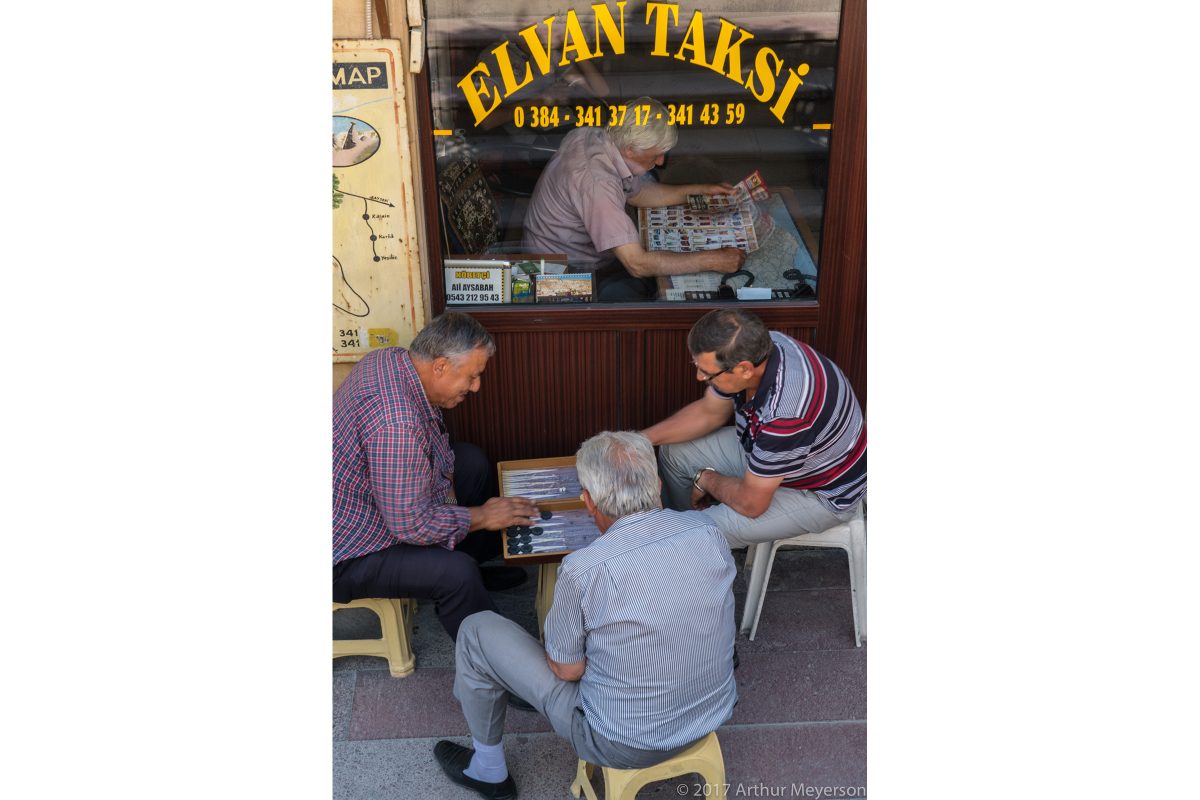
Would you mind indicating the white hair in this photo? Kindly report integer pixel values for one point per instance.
(619, 471)
(654, 133)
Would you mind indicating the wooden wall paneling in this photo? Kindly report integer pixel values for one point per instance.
(799, 321)
(806, 334)
(631, 355)
(557, 379)
(842, 329)
(613, 317)
(541, 395)
(669, 380)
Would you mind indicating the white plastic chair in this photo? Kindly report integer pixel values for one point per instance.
(850, 536)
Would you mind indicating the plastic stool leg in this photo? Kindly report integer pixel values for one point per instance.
(583, 781)
(395, 620)
(758, 570)
(762, 592)
(858, 578)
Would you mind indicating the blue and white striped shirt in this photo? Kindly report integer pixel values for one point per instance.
(650, 605)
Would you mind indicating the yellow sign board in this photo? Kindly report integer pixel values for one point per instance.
(378, 295)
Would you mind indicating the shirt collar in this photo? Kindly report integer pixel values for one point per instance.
(766, 386)
(614, 155)
(414, 389)
(632, 524)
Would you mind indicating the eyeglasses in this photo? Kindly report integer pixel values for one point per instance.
(710, 377)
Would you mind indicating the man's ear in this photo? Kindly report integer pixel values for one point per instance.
(440, 365)
(587, 501)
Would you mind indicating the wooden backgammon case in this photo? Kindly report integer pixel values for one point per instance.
(553, 484)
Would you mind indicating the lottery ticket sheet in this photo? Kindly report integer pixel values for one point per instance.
(710, 222)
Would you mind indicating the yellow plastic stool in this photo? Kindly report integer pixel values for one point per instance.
(704, 757)
(395, 622)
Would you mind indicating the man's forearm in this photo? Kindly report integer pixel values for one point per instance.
(734, 493)
(653, 195)
(723, 488)
(566, 672)
(690, 422)
(650, 263)
(427, 523)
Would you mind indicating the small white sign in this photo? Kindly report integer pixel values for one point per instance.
(476, 282)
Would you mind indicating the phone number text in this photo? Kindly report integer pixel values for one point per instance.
(616, 115)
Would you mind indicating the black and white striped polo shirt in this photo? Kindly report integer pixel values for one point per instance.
(804, 424)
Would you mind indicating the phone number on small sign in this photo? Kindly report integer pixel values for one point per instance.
(616, 115)
(473, 297)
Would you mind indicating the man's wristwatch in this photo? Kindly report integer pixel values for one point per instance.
(699, 472)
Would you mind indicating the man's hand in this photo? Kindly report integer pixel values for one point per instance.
(567, 672)
(503, 512)
(726, 260)
(702, 499)
(713, 188)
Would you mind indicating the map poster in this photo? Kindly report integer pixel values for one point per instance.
(378, 295)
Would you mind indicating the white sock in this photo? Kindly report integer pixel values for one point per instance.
(488, 762)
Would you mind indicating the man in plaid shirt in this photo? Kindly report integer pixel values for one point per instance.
(411, 514)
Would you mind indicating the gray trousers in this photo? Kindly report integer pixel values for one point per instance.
(495, 656)
(791, 513)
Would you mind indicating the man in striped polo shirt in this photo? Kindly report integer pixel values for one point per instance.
(638, 661)
(794, 462)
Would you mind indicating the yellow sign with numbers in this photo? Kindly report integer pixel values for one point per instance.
(378, 294)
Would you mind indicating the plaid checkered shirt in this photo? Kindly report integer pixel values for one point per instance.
(392, 462)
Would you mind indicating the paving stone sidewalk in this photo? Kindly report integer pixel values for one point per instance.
(799, 729)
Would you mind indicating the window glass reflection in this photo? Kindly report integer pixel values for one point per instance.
(671, 152)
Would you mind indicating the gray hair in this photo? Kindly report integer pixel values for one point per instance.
(654, 133)
(619, 471)
(732, 336)
(451, 335)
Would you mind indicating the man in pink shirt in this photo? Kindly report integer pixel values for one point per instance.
(578, 205)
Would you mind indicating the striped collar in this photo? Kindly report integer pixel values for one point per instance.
(765, 387)
(636, 530)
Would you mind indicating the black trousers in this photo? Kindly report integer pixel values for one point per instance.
(450, 578)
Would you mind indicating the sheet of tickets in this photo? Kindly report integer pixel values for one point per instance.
(710, 222)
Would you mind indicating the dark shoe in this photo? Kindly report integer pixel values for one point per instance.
(497, 579)
(518, 703)
(454, 758)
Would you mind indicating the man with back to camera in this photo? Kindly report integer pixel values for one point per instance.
(638, 661)
(397, 529)
(578, 205)
(796, 459)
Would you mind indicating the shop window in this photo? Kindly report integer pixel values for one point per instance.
(748, 87)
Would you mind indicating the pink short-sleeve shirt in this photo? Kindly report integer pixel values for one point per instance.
(578, 205)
